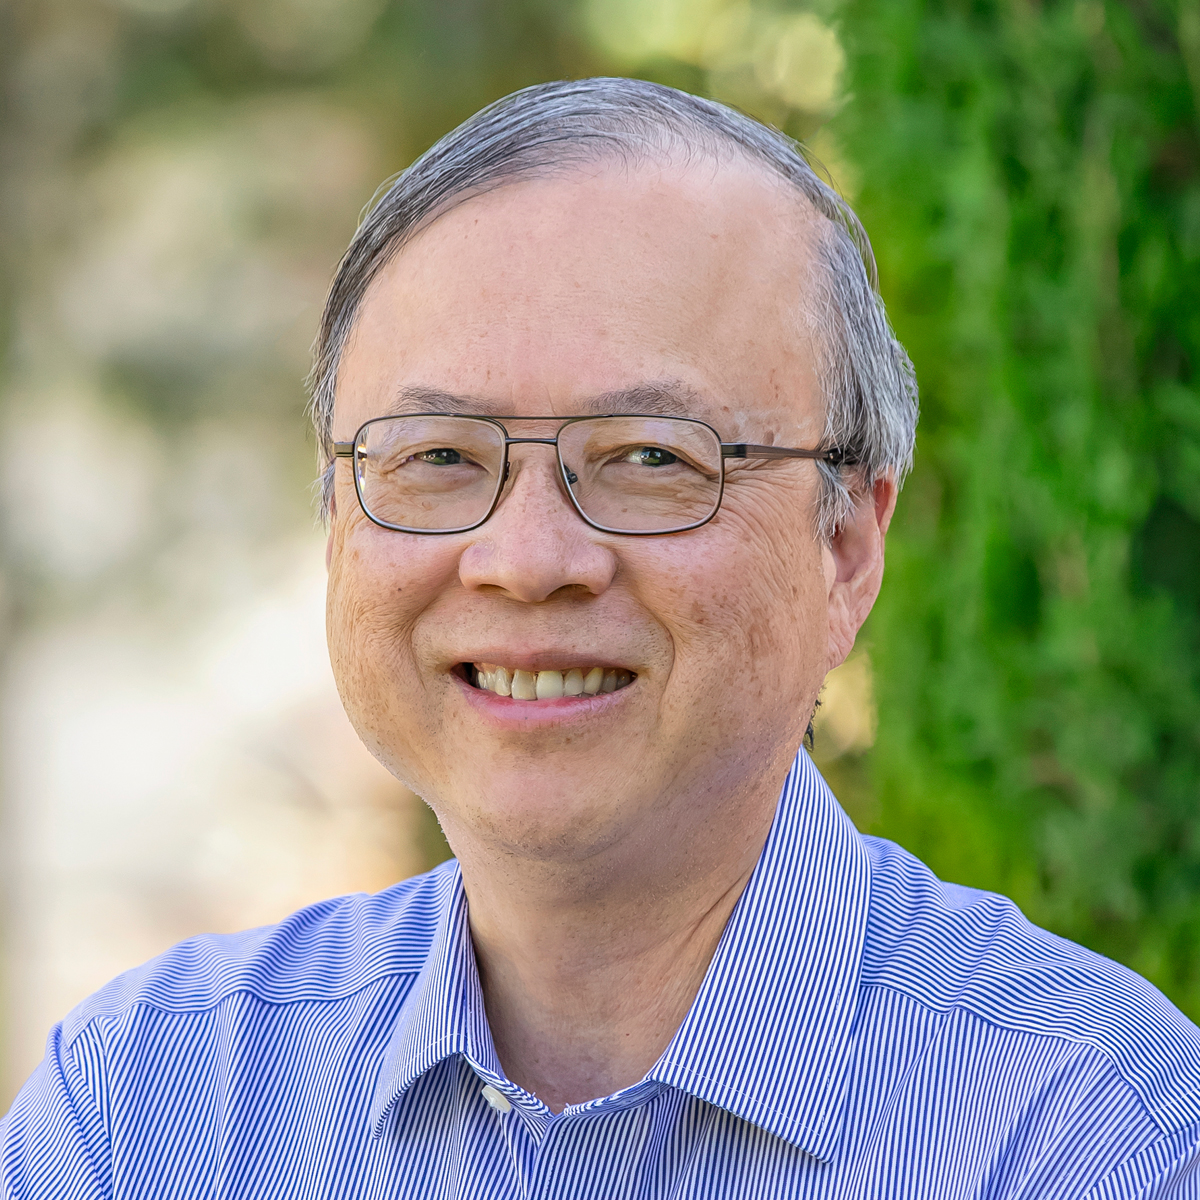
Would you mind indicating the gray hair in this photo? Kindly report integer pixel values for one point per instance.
(869, 385)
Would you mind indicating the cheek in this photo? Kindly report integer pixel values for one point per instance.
(745, 601)
(379, 584)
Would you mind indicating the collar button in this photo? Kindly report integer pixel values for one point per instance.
(497, 1099)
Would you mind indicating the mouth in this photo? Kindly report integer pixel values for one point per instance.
(567, 683)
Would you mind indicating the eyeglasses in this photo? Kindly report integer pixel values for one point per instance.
(640, 475)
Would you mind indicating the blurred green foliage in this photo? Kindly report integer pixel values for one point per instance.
(1031, 180)
(1029, 174)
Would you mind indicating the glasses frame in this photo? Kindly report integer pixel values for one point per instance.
(834, 457)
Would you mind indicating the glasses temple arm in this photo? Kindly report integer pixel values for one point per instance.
(835, 457)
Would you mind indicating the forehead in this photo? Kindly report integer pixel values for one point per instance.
(681, 284)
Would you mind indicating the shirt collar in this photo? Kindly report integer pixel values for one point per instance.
(443, 1015)
(767, 1037)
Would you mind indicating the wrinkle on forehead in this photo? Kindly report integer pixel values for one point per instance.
(657, 397)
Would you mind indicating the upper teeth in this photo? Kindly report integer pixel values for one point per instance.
(549, 685)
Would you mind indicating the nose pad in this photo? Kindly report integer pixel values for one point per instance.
(566, 474)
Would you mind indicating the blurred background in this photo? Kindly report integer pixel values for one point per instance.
(177, 181)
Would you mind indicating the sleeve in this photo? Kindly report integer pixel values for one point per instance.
(53, 1144)
(1167, 1170)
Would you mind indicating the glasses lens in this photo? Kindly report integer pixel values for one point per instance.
(642, 474)
(429, 474)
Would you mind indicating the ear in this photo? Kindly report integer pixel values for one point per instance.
(853, 562)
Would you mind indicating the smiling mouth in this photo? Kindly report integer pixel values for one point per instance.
(546, 685)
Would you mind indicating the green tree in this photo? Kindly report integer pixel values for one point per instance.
(1030, 178)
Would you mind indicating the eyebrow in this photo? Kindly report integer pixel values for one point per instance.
(420, 399)
(660, 397)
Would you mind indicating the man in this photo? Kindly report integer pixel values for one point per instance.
(615, 425)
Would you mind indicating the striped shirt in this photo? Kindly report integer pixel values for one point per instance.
(863, 1030)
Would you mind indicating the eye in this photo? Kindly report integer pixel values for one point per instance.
(444, 456)
(650, 456)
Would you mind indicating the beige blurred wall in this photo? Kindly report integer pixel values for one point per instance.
(175, 756)
(167, 778)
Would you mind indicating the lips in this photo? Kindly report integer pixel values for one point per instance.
(556, 684)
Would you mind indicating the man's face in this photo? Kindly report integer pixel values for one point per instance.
(537, 299)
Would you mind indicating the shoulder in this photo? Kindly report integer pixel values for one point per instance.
(954, 948)
(324, 952)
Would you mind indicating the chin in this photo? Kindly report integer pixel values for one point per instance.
(536, 821)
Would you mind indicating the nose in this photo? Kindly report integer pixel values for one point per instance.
(535, 545)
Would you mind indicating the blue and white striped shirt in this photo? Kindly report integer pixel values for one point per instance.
(863, 1030)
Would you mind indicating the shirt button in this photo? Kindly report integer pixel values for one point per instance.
(497, 1099)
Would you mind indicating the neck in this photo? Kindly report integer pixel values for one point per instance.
(585, 986)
